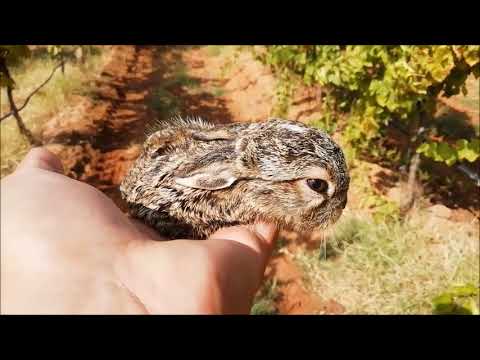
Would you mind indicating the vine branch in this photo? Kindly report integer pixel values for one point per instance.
(17, 110)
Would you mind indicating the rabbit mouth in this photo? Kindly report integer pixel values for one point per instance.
(333, 217)
(326, 215)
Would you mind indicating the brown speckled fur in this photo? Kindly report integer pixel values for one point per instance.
(194, 177)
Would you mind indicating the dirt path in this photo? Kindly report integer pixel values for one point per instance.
(99, 137)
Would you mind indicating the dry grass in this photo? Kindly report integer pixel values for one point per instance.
(392, 267)
(50, 100)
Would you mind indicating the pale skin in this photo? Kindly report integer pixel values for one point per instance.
(67, 249)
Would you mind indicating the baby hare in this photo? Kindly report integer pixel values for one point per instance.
(194, 177)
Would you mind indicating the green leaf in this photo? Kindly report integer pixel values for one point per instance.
(301, 58)
(472, 55)
(374, 84)
(447, 153)
(475, 145)
(460, 299)
(468, 150)
(423, 148)
(464, 290)
(472, 307)
(443, 303)
(382, 99)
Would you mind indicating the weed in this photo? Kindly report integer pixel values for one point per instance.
(164, 102)
(264, 302)
(391, 267)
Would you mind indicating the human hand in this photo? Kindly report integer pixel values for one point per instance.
(67, 249)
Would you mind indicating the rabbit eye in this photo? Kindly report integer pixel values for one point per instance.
(317, 185)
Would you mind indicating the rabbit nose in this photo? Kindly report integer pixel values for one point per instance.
(344, 203)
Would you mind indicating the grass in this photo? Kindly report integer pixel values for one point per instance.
(374, 263)
(229, 57)
(264, 302)
(380, 206)
(392, 267)
(49, 101)
(217, 91)
(180, 77)
(215, 50)
(164, 102)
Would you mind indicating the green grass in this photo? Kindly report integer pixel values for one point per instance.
(392, 267)
(217, 91)
(215, 50)
(183, 79)
(180, 77)
(48, 102)
(164, 102)
(264, 302)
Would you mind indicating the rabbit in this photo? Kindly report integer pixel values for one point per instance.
(194, 177)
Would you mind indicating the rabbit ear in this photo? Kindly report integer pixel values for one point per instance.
(230, 132)
(157, 143)
(216, 134)
(211, 177)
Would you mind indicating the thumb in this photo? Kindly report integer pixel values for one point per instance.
(41, 158)
(259, 237)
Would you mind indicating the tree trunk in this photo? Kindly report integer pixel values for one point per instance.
(411, 184)
(418, 132)
(62, 61)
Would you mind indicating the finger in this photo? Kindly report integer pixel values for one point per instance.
(259, 237)
(240, 255)
(41, 158)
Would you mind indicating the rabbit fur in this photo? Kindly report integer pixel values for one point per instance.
(194, 177)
